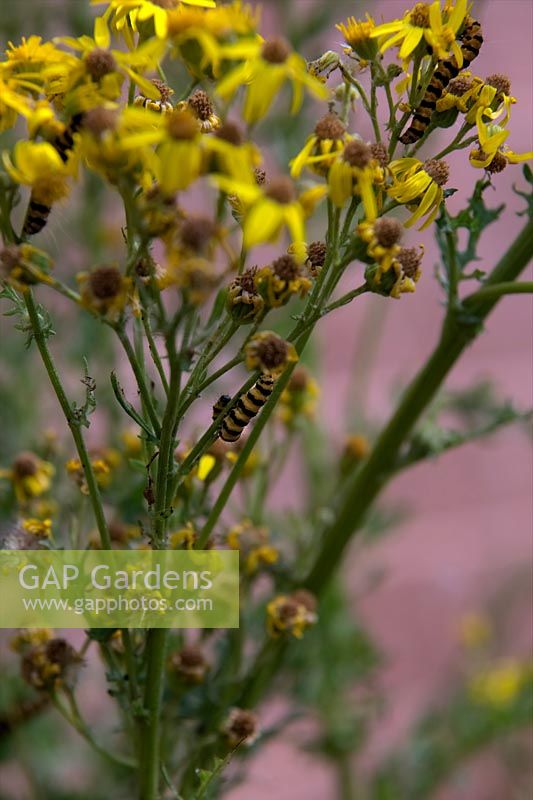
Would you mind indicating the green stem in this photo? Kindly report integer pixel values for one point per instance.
(156, 645)
(499, 289)
(73, 423)
(140, 379)
(366, 483)
(74, 719)
(153, 349)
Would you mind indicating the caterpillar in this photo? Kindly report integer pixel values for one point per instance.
(471, 41)
(65, 141)
(161, 106)
(245, 409)
(36, 217)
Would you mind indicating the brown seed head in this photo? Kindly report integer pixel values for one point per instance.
(196, 232)
(272, 351)
(98, 120)
(410, 259)
(380, 154)
(99, 63)
(143, 268)
(316, 254)
(460, 85)
(276, 51)
(288, 610)
(281, 189)
(246, 281)
(164, 89)
(9, 258)
(230, 132)
(438, 171)
(388, 231)
(201, 104)
(286, 267)
(501, 83)
(420, 15)
(60, 652)
(329, 127)
(498, 163)
(167, 4)
(305, 599)
(190, 656)
(118, 531)
(357, 154)
(241, 725)
(25, 465)
(105, 282)
(182, 125)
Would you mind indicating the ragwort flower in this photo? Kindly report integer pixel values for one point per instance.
(266, 66)
(269, 353)
(30, 476)
(413, 181)
(424, 21)
(322, 147)
(358, 34)
(492, 153)
(291, 614)
(354, 173)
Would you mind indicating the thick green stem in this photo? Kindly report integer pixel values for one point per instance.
(73, 423)
(368, 481)
(150, 765)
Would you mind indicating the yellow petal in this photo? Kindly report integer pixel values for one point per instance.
(101, 33)
(411, 41)
(262, 223)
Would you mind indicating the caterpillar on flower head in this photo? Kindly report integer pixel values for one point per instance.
(244, 410)
(471, 41)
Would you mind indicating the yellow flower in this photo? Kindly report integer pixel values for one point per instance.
(38, 165)
(28, 638)
(461, 93)
(269, 353)
(101, 469)
(354, 173)
(40, 528)
(228, 152)
(12, 103)
(105, 149)
(30, 476)
(279, 281)
(381, 237)
(201, 106)
(24, 265)
(291, 614)
(402, 275)
(499, 686)
(198, 34)
(491, 136)
(127, 15)
(30, 57)
(179, 157)
(358, 34)
(416, 181)
(266, 67)
(100, 72)
(425, 21)
(105, 291)
(253, 544)
(184, 538)
(322, 147)
(268, 209)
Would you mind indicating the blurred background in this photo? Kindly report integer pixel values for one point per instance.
(462, 548)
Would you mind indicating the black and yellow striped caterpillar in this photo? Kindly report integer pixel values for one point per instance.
(245, 409)
(471, 41)
(64, 143)
(36, 217)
